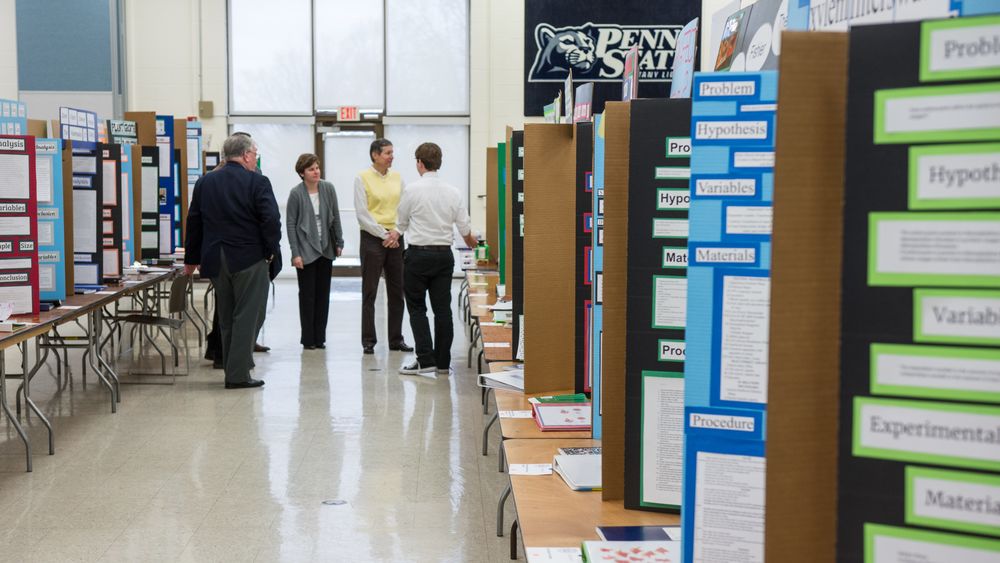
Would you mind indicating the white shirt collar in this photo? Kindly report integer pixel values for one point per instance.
(381, 175)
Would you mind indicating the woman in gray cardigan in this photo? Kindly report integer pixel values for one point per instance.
(316, 239)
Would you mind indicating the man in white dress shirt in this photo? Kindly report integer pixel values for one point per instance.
(427, 211)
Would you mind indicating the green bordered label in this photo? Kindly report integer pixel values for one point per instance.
(950, 249)
(960, 49)
(678, 147)
(675, 257)
(952, 316)
(892, 544)
(929, 114)
(669, 199)
(936, 372)
(655, 386)
(954, 500)
(953, 434)
(669, 302)
(964, 176)
(670, 228)
(672, 351)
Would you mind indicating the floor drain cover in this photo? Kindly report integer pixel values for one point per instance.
(334, 502)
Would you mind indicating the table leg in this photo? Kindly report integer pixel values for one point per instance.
(112, 375)
(513, 540)
(10, 416)
(500, 504)
(92, 355)
(501, 456)
(486, 432)
(28, 376)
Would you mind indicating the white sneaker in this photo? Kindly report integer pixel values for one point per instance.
(415, 369)
(444, 370)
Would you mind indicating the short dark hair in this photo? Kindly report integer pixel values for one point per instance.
(305, 162)
(430, 155)
(377, 146)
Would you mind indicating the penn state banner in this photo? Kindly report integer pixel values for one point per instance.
(591, 38)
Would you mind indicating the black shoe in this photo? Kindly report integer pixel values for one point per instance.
(321, 346)
(217, 364)
(209, 355)
(308, 347)
(401, 347)
(415, 369)
(245, 384)
(369, 350)
(261, 348)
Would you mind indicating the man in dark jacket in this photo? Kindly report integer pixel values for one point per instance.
(233, 230)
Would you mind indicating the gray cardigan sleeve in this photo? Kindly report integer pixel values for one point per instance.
(338, 230)
(292, 222)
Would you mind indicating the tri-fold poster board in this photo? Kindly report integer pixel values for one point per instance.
(87, 169)
(919, 459)
(51, 216)
(18, 224)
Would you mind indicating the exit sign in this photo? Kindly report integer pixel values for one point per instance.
(348, 113)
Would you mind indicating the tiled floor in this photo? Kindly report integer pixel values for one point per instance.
(194, 472)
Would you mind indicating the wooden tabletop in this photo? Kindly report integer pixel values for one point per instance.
(75, 306)
(525, 428)
(551, 514)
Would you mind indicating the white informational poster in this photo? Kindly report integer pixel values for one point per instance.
(939, 247)
(14, 176)
(85, 274)
(743, 350)
(112, 266)
(15, 226)
(110, 178)
(150, 190)
(662, 439)
(729, 508)
(46, 277)
(948, 112)
(43, 179)
(85, 221)
(84, 164)
(126, 207)
(20, 296)
(46, 233)
(163, 143)
(193, 153)
(892, 549)
(165, 228)
(751, 220)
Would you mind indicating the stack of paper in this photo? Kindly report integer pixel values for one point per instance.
(512, 380)
(581, 472)
(637, 551)
(562, 416)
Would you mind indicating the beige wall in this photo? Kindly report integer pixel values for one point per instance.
(8, 51)
(165, 77)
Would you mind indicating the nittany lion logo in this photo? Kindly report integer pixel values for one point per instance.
(596, 52)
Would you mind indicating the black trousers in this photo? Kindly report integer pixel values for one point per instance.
(376, 259)
(314, 300)
(429, 272)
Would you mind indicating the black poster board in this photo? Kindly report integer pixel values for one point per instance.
(584, 138)
(111, 212)
(88, 183)
(517, 233)
(915, 428)
(149, 203)
(659, 165)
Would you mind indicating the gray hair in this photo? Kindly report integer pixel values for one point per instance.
(236, 146)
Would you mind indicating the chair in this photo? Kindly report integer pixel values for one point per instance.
(173, 322)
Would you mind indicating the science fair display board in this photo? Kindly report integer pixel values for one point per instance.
(111, 211)
(80, 127)
(51, 215)
(516, 229)
(726, 365)
(166, 180)
(13, 117)
(919, 458)
(18, 224)
(656, 307)
(148, 178)
(583, 136)
(125, 133)
(597, 275)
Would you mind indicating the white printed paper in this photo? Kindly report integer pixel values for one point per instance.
(20, 296)
(943, 372)
(948, 49)
(956, 501)
(751, 220)
(670, 228)
(950, 112)
(967, 248)
(150, 190)
(163, 144)
(13, 226)
(529, 469)
(43, 179)
(110, 180)
(927, 431)
(85, 221)
(959, 316)
(515, 414)
(85, 164)
(729, 508)
(670, 302)
(743, 350)
(14, 176)
(46, 277)
(662, 439)
(890, 549)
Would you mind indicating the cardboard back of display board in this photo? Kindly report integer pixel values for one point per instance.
(37, 128)
(804, 374)
(492, 199)
(145, 122)
(616, 174)
(549, 257)
(181, 143)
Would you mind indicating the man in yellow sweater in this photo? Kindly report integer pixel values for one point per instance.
(376, 196)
